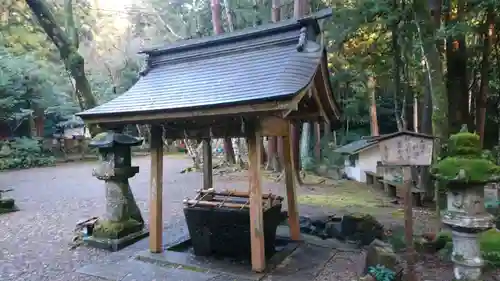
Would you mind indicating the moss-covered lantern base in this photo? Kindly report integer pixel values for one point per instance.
(114, 236)
(7, 205)
(465, 171)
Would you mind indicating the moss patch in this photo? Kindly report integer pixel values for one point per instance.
(7, 203)
(115, 230)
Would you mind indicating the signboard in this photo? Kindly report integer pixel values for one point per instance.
(406, 150)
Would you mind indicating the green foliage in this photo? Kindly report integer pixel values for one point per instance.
(489, 242)
(23, 153)
(381, 273)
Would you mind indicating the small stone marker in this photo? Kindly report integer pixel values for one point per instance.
(381, 253)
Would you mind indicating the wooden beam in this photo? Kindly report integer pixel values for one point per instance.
(187, 113)
(207, 164)
(317, 99)
(156, 191)
(313, 117)
(293, 214)
(326, 84)
(256, 212)
(294, 104)
(408, 215)
(274, 126)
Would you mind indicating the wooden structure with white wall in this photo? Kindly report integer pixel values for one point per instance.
(250, 83)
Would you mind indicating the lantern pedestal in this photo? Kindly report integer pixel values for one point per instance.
(122, 224)
(7, 205)
(467, 219)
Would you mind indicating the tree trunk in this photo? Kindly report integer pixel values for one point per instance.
(273, 162)
(229, 15)
(217, 26)
(67, 44)
(317, 142)
(216, 22)
(435, 111)
(276, 11)
(457, 83)
(305, 145)
(373, 106)
(433, 71)
(396, 49)
(299, 11)
(299, 8)
(295, 143)
(481, 100)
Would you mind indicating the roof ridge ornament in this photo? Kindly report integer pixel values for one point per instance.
(302, 39)
(147, 68)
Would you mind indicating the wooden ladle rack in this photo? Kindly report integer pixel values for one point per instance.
(229, 199)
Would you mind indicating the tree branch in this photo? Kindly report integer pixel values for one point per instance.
(71, 30)
(47, 21)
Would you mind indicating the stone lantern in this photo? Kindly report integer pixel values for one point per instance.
(466, 172)
(122, 223)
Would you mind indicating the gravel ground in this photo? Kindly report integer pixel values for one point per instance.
(34, 242)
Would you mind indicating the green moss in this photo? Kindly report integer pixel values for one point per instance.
(465, 162)
(115, 230)
(464, 143)
(7, 203)
(466, 169)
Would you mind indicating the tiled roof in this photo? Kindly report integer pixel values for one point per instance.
(355, 146)
(263, 64)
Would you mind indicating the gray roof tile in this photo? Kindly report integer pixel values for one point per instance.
(355, 146)
(248, 69)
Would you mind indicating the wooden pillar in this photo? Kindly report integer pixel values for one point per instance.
(410, 251)
(255, 191)
(293, 213)
(207, 164)
(156, 191)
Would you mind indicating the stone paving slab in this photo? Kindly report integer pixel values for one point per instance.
(225, 277)
(133, 270)
(109, 271)
(303, 264)
(171, 258)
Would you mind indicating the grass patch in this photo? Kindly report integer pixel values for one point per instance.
(346, 195)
